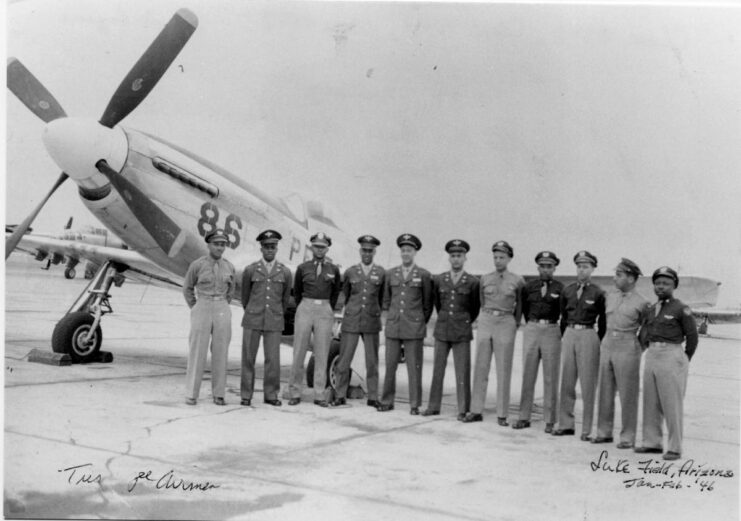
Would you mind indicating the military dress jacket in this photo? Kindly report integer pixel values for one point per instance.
(409, 303)
(265, 296)
(457, 307)
(363, 299)
(670, 320)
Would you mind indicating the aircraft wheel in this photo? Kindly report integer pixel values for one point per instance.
(69, 337)
(332, 361)
(70, 273)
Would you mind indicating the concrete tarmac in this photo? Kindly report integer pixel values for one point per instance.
(117, 440)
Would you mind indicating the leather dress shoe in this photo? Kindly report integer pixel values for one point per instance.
(274, 403)
(294, 401)
(602, 439)
(461, 416)
(548, 428)
(190, 401)
(625, 445)
(648, 450)
(414, 411)
(585, 437)
(671, 456)
(563, 432)
(428, 412)
(473, 417)
(246, 402)
(338, 401)
(384, 407)
(321, 403)
(502, 421)
(521, 424)
(219, 401)
(372, 403)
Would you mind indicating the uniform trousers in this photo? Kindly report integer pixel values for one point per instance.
(664, 385)
(619, 370)
(210, 323)
(271, 350)
(579, 360)
(462, 364)
(349, 343)
(496, 334)
(413, 349)
(540, 342)
(317, 316)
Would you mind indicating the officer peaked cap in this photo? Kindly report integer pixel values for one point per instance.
(409, 240)
(585, 256)
(368, 240)
(269, 237)
(547, 256)
(504, 247)
(217, 234)
(628, 266)
(457, 245)
(666, 271)
(321, 239)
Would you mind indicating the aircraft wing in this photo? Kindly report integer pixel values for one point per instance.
(718, 315)
(138, 267)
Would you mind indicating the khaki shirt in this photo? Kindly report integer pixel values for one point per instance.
(501, 292)
(209, 277)
(625, 311)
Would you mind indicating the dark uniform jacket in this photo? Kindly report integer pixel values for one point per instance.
(363, 299)
(409, 303)
(265, 296)
(673, 324)
(457, 307)
(587, 310)
(537, 307)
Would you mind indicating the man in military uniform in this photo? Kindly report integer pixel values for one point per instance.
(208, 288)
(501, 309)
(582, 305)
(541, 340)
(363, 289)
(620, 356)
(316, 289)
(457, 301)
(407, 295)
(667, 324)
(266, 289)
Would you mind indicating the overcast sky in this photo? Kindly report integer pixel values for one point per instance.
(611, 128)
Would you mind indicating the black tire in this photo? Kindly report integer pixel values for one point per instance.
(67, 337)
(70, 273)
(332, 359)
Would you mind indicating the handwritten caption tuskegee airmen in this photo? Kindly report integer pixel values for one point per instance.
(84, 475)
(656, 474)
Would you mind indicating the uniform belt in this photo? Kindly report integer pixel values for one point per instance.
(663, 344)
(318, 300)
(212, 297)
(496, 312)
(616, 333)
(541, 321)
(581, 326)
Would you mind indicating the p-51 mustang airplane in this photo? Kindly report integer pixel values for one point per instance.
(160, 199)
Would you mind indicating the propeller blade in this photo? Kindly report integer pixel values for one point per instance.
(32, 93)
(165, 232)
(14, 238)
(145, 74)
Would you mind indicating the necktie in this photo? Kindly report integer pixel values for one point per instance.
(456, 277)
(405, 272)
(579, 291)
(659, 305)
(544, 288)
(318, 268)
(216, 276)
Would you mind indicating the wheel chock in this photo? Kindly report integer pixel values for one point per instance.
(104, 357)
(49, 357)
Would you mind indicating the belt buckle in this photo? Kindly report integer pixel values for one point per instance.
(317, 301)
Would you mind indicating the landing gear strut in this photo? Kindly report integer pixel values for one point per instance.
(78, 333)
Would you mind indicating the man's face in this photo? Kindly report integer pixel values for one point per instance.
(501, 260)
(216, 248)
(546, 270)
(407, 254)
(623, 281)
(663, 287)
(457, 259)
(584, 271)
(319, 251)
(269, 251)
(366, 254)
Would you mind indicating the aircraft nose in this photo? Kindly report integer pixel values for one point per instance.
(76, 144)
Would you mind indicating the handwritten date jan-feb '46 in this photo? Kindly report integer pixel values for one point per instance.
(85, 475)
(656, 474)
